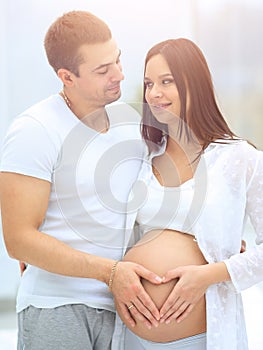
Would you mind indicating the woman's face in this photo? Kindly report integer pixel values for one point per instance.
(161, 92)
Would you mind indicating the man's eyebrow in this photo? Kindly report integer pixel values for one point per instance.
(106, 64)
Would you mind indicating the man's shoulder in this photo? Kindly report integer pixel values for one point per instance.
(42, 109)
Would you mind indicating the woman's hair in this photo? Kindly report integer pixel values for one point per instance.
(193, 80)
(68, 33)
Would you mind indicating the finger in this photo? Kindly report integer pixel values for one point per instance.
(243, 246)
(179, 310)
(22, 266)
(184, 315)
(148, 275)
(127, 314)
(148, 304)
(168, 305)
(175, 309)
(175, 314)
(137, 315)
(171, 275)
(149, 319)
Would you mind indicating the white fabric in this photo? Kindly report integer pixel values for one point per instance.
(228, 189)
(133, 342)
(166, 207)
(48, 142)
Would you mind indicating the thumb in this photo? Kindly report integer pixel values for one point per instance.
(149, 275)
(171, 275)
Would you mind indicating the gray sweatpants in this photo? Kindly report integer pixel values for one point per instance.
(68, 327)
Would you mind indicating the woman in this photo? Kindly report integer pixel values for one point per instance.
(202, 182)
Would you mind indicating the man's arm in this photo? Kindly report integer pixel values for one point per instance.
(24, 201)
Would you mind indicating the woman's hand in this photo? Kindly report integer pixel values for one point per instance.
(189, 289)
(130, 295)
(193, 281)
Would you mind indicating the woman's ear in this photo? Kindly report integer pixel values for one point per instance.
(65, 76)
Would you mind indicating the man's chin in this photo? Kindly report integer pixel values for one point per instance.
(114, 97)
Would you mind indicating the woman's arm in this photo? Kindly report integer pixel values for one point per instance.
(247, 269)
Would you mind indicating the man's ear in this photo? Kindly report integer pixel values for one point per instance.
(65, 76)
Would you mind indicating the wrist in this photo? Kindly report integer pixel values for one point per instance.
(112, 274)
(218, 273)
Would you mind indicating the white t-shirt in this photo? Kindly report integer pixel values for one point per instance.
(91, 175)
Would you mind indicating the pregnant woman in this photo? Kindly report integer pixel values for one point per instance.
(202, 183)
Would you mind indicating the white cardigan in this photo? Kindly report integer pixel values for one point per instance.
(228, 190)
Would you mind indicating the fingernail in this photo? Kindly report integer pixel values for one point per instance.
(158, 279)
(167, 322)
(149, 326)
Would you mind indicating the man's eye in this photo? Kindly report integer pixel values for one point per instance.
(103, 71)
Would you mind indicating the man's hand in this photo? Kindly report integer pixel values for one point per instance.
(243, 246)
(22, 266)
(130, 295)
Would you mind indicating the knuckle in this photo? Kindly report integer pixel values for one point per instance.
(135, 311)
(181, 308)
(146, 303)
(170, 304)
(135, 288)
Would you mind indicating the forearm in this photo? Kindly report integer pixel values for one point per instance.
(48, 253)
(24, 202)
(216, 273)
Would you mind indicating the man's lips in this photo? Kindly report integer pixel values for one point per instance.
(114, 88)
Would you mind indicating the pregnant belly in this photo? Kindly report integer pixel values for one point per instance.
(160, 252)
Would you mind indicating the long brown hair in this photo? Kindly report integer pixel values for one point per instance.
(193, 80)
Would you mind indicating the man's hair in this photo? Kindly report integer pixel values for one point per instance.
(68, 33)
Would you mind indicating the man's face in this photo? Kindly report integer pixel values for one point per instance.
(100, 74)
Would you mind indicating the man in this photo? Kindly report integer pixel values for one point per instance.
(68, 165)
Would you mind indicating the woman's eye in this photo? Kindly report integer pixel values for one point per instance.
(167, 81)
(148, 84)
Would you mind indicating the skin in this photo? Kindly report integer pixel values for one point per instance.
(193, 280)
(24, 199)
(159, 251)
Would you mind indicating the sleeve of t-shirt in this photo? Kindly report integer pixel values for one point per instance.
(28, 149)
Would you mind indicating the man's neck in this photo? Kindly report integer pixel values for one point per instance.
(95, 118)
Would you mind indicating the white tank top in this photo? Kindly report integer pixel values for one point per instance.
(166, 207)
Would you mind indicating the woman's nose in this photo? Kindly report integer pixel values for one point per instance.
(155, 91)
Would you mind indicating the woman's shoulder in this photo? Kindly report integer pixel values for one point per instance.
(238, 153)
(234, 146)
